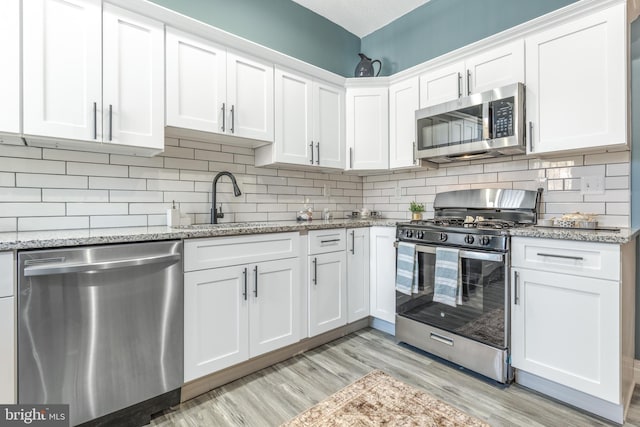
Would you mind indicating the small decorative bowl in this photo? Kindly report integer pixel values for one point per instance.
(564, 223)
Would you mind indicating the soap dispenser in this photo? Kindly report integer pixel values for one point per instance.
(173, 216)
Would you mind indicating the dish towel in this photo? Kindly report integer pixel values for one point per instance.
(407, 269)
(447, 286)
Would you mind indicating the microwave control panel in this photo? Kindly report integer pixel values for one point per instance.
(503, 114)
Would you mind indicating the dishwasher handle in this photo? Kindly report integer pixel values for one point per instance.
(67, 268)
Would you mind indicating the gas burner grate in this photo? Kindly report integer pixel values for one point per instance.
(495, 223)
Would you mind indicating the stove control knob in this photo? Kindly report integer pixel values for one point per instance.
(468, 239)
(409, 233)
(443, 237)
(485, 240)
(420, 234)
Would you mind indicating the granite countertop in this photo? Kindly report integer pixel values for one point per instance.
(82, 237)
(619, 236)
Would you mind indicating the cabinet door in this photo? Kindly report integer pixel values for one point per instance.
(327, 292)
(249, 98)
(62, 68)
(576, 83)
(196, 82)
(328, 125)
(7, 351)
(403, 103)
(495, 68)
(216, 320)
(293, 128)
(133, 91)
(441, 85)
(383, 273)
(10, 71)
(357, 274)
(566, 329)
(274, 314)
(368, 128)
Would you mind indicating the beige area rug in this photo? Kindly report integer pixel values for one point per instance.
(378, 399)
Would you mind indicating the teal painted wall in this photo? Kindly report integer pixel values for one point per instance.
(441, 26)
(635, 159)
(281, 25)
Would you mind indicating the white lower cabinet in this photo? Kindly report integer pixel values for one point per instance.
(238, 312)
(357, 274)
(7, 329)
(327, 280)
(572, 330)
(383, 273)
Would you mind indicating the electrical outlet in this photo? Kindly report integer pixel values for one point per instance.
(592, 184)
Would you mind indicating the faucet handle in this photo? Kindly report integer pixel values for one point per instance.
(219, 213)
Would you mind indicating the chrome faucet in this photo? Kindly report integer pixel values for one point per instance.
(236, 192)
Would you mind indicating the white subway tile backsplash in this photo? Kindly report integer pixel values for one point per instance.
(154, 173)
(20, 151)
(561, 162)
(169, 185)
(214, 156)
(19, 209)
(207, 146)
(188, 197)
(97, 209)
(51, 181)
(173, 163)
(563, 208)
(7, 179)
(609, 196)
(502, 166)
(97, 182)
(53, 223)
(229, 167)
(618, 169)
(478, 178)
(72, 195)
(291, 173)
(75, 156)
(243, 159)
(20, 194)
(605, 158)
(15, 164)
(617, 208)
(150, 208)
(8, 225)
(111, 221)
(302, 182)
(271, 180)
(152, 162)
(95, 169)
(616, 182)
(179, 152)
(135, 196)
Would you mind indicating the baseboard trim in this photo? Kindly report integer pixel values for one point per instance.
(202, 385)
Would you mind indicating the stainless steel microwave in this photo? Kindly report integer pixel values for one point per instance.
(487, 124)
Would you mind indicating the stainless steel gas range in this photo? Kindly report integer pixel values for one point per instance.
(474, 330)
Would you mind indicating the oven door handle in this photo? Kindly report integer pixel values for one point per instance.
(482, 256)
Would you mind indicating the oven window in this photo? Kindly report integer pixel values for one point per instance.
(464, 125)
(480, 317)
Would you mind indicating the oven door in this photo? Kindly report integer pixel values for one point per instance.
(484, 312)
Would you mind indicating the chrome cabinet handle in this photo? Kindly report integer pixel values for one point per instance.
(233, 118)
(110, 122)
(468, 82)
(95, 120)
(516, 280)
(350, 158)
(318, 156)
(575, 258)
(67, 268)
(442, 339)
(353, 242)
(322, 242)
(315, 271)
(459, 85)
(224, 115)
(311, 145)
(530, 136)
(255, 289)
(244, 294)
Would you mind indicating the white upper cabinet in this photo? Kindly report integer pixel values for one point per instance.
(212, 91)
(133, 79)
(403, 103)
(92, 76)
(10, 71)
(367, 128)
(62, 71)
(309, 123)
(487, 70)
(577, 83)
(196, 82)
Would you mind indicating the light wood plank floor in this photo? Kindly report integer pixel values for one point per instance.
(275, 394)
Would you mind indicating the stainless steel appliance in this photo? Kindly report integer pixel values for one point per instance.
(101, 327)
(475, 333)
(482, 125)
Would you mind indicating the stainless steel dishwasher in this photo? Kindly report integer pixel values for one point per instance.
(101, 328)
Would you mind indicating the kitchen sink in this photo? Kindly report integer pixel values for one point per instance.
(223, 225)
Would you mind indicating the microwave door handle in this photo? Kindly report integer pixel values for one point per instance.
(487, 121)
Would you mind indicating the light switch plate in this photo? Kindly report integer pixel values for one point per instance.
(592, 184)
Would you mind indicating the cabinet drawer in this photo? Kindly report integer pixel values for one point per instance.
(7, 275)
(323, 241)
(200, 254)
(597, 260)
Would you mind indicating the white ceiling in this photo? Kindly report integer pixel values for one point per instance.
(361, 17)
